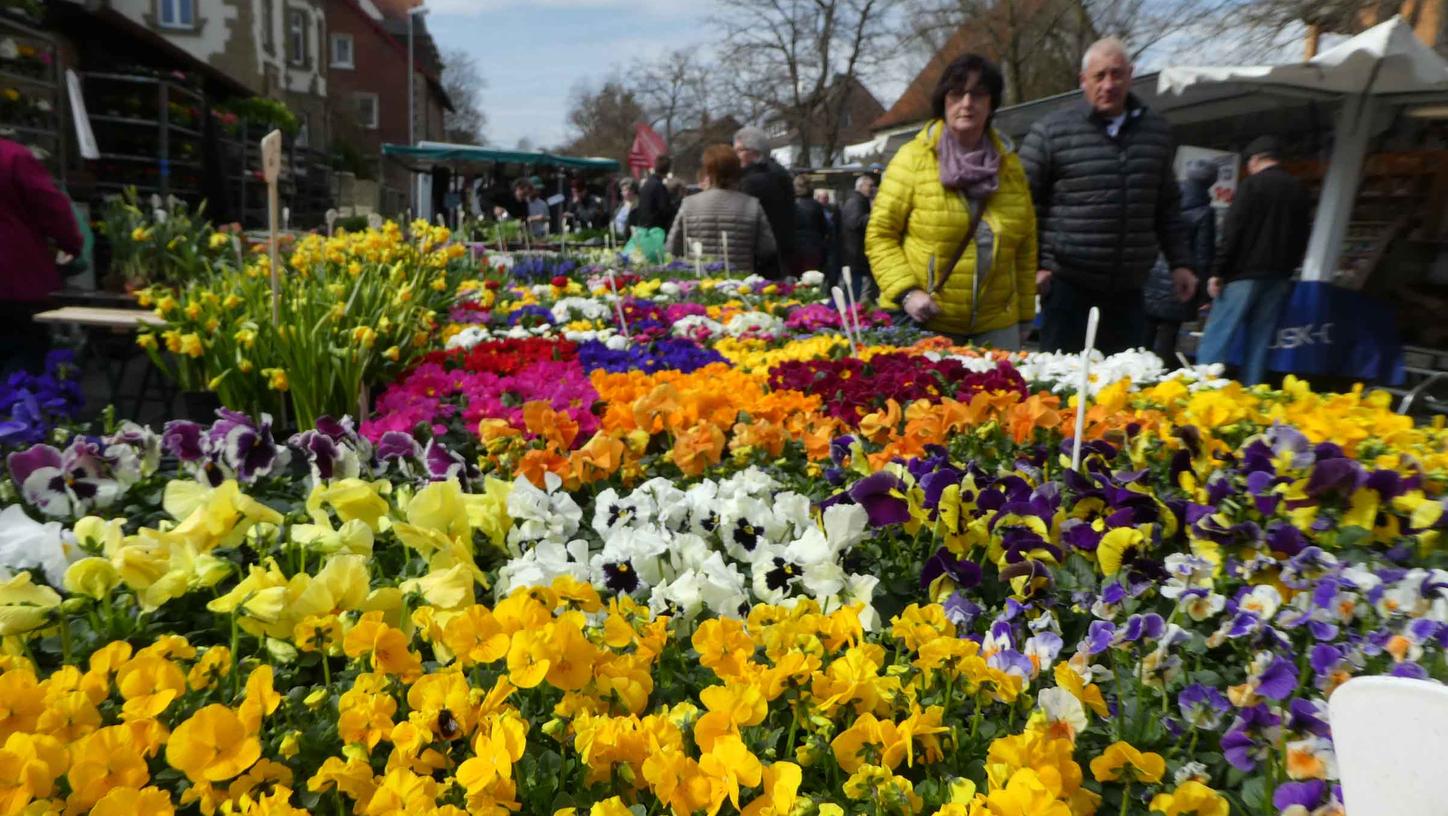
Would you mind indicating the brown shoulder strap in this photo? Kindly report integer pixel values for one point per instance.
(969, 236)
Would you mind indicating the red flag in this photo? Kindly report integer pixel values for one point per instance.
(647, 146)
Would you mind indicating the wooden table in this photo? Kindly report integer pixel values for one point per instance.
(107, 323)
(100, 317)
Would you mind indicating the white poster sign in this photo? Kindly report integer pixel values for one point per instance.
(85, 138)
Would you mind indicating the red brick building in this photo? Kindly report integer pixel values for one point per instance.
(367, 83)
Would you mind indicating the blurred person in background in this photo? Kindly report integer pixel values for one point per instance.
(812, 228)
(36, 219)
(656, 205)
(854, 218)
(584, 209)
(626, 215)
(1165, 313)
(771, 185)
(721, 208)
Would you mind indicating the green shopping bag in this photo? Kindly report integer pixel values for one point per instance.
(647, 242)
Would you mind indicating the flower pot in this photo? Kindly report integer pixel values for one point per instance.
(200, 406)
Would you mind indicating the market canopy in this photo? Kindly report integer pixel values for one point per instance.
(426, 153)
(1387, 64)
(1384, 60)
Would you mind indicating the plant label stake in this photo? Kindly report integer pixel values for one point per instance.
(724, 241)
(286, 219)
(331, 221)
(236, 245)
(844, 319)
(271, 169)
(618, 305)
(1083, 386)
(698, 259)
(850, 295)
(155, 201)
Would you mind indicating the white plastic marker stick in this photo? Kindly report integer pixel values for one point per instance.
(1083, 386)
(271, 169)
(618, 304)
(698, 259)
(236, 245)
(331, 221)
(850, 295)
(724, 240)
(844, 319)
(286, 219)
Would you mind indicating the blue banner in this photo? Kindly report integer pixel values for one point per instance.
(1332, 331)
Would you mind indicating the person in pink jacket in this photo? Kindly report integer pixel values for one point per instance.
(33, 216)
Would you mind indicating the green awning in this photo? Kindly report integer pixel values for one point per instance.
(427, 154)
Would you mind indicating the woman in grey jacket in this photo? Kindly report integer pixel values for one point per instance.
(708, 216)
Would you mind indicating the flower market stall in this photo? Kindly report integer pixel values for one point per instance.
(568, 535)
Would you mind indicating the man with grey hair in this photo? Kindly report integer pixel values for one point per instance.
(1107, 204)
(765, 180)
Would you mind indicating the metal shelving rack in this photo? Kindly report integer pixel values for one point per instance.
(45, 131)
(124, 119)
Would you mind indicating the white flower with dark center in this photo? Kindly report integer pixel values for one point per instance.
(746, 525)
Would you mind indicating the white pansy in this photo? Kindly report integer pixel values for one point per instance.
(813, 277)
(29, 544)
(1061, 706)
(541, 515)
(543, 563)
(616, 342)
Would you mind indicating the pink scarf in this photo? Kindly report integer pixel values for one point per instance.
(973, 172)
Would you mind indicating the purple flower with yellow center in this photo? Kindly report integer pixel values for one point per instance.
(964, 573)
(1203, 706)
(1143, 628)
(883, 497)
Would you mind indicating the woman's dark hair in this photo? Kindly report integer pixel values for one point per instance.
(957, 75)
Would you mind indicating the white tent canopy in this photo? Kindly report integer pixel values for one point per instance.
(1383, 65)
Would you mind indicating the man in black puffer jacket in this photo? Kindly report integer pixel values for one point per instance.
(1107, 205)
(771, 184)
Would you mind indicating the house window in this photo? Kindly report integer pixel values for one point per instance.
(342, 51)
(297, 37)
(268, 23)
(176, 13)
(366, 109)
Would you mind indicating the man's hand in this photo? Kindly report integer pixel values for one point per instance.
(1184, 283)
(920, 306)
(1214, 288)
(1043, 282)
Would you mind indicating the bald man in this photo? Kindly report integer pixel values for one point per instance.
(1107, 205)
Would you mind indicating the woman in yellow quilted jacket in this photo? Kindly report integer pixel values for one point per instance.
(957, 172)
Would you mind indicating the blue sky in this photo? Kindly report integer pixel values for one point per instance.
(532, 52)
